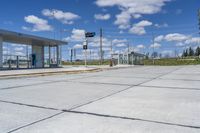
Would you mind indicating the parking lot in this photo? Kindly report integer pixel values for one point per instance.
(140, 99)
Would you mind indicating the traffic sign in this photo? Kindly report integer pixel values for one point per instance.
(85, 47)
(90, 34)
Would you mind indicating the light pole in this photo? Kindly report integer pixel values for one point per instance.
(153, 50)
(199, 19)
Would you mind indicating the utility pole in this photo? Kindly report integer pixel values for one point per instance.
(71, 54)
(101, 50)
(86, 53)
(128, 47)
(199, 20)
(153, 50)
(111, 48)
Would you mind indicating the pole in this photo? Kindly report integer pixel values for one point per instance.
(153, 50)
(101, 51)
(199, 20)
(199, 25)
(86, 53)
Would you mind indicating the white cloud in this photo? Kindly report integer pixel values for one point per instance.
(156, 45)
(38, 24)
(159, 38)
(164, 25)
(121, 45)
(115, 41)
(139, 28)
(78, 35)
(132, 9)
(64, 17)
(123, 20)
(141, 46)
(176, 37)
(78, 46)
(173, 37)
(193, 40)
(102, 16)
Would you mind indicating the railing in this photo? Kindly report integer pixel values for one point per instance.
(16, 62)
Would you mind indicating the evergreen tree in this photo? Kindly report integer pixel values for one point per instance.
(191, 52)
(184, 53)
(197, 52)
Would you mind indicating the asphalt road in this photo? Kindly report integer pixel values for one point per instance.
(143, 99)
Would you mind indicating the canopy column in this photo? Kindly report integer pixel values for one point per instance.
(58, 55)
(1, 52)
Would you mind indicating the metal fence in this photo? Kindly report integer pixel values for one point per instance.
(16, 62)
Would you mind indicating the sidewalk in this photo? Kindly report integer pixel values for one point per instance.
(48, 71)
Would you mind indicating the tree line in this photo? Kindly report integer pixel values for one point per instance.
(191, 52)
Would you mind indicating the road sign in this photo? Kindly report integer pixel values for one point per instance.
(90, 34)
(85, 47)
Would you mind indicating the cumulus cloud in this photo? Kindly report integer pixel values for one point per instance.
(159, 38)
(102, 16)
(139, 28)
(123, 20)
(176, 37)
(132, 9)
(121, 45)
(156, 45)
(78, 35)
(39, 24)
(64, 17)
(115, 41)
(78, 46)
(193, 40)
(173, 37)
(141, 46)
(95, 42)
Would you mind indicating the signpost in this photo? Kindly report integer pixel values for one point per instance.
(85, 44)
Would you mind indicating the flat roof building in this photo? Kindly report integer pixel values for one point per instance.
(37, 43)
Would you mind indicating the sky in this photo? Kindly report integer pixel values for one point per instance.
(172, 24)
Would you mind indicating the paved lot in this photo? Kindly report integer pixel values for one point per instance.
(142, 99)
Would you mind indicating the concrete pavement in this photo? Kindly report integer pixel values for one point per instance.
(144, 99)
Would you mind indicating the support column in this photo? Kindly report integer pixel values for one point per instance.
(58, 55)
(1, 52)
(49, 56)
(39, 54)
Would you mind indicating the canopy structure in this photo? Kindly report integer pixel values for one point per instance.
(15, 37)
(37, 43)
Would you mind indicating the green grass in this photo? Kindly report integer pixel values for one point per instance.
(173, 61)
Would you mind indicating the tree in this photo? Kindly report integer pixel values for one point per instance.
(185, 54)
(197, 52)
(191, 52)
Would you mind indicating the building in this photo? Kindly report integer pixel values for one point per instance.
(38, 45)
(131, 58)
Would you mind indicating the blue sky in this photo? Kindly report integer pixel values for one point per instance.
(174, 23)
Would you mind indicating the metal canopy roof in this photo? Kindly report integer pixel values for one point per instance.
(20, 38)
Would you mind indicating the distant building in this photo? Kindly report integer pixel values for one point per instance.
(131, 58)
